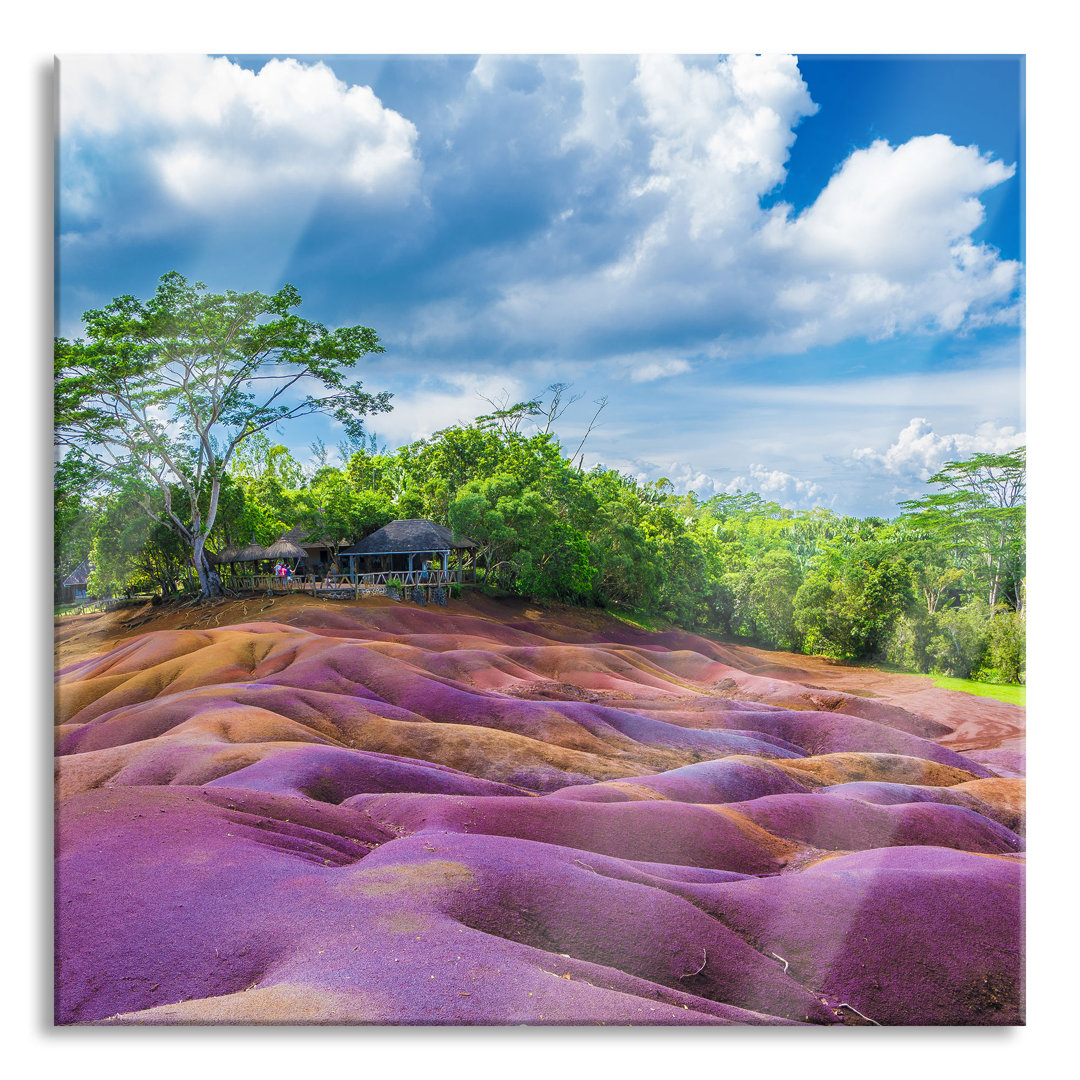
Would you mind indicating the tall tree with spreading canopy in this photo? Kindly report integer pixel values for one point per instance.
(979, 508)
(167, 389)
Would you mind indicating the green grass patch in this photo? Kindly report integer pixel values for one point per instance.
(634, 617)
(81, 605)
(1010, 693)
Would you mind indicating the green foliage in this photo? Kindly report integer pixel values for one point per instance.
(1006, 649)
(768, 590)
(74, 482)
(960, 639)
(978, 512)
(131, 551)
(850, 610)
(915, 591)
(169, 389)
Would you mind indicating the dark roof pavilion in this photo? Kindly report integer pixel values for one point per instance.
(407, 536)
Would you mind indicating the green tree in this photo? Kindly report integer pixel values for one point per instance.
(170, 388)
(74, 482)
(960, 638)
(331, 509)
(851, 599)
(769, 592)
(979, 510)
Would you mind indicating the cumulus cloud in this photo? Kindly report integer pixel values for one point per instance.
(770, 483)
(434, 402)
(720, 134)
(217, 137)
(596, 207)
(919, 451)
(886, 248)
(682, 476)
(776, 485)
(659, 369)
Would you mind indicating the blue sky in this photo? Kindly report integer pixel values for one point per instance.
(801, 276)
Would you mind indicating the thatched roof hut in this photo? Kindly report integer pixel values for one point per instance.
(409, 536)
(252, 553)
(226, 555)
(285, 549)
(75, 584)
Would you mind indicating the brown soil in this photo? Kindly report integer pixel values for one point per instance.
(977, 723)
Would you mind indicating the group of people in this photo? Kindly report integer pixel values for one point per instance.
(284, 572)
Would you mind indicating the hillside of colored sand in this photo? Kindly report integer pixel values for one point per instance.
(300, 811)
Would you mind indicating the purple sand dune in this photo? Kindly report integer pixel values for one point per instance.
(727, 780)
(331, 774)
(332, 819)
(261, 891)
(851, 825)
(1002, 761)
(910, 935)
(885, 794)
(653, 831)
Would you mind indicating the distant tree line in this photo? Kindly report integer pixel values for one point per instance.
(164, 417)
(938, 588)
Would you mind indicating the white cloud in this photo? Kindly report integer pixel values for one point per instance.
(777, 485)
(721, 134)
(659, 369)
(895, 210)
(436, 402)
(217, 136)
(919, 451)
(602, 123)
(886, 248)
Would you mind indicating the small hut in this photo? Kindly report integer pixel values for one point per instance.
(253, 553)
(415, 550)
(286, 549)
(318, 551)
(226, 555)
(75, 584)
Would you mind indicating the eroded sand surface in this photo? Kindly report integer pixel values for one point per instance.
(315, 812)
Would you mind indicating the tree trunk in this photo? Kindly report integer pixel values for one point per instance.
(199, 561)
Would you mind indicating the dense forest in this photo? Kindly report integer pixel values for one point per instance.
(939, 588)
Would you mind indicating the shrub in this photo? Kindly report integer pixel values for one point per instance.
(909, 642)
(1006, 648)
(959, 642)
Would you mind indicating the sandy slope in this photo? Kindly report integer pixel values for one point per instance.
(315, 812)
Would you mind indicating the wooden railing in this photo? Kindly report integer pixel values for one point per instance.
(314, 584)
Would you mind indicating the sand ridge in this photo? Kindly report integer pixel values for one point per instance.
(297, 811)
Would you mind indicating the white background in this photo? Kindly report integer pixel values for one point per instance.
(35, 34)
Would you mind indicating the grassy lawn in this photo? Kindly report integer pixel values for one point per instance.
(1007, 692)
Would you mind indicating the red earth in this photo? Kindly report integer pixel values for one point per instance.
(309, 811)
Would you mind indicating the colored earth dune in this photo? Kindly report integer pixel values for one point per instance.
(373, 813)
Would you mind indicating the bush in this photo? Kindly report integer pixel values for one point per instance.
(908, 644)
(959, 643)
(1006, 649)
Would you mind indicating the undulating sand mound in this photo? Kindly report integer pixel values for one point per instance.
(310, 812)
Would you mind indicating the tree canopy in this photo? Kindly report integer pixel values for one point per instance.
(161, 394)
(940, 587)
